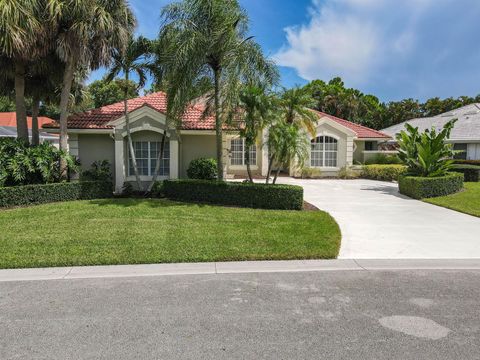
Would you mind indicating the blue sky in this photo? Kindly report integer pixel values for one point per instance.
(392, 49)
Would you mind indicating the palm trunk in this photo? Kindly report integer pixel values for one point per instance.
(276, 176)
(64, 100)
(35, 130)
(218, 126)
(129, 135)
(247, 162)
(269, 170)
(159, 159)
(21, 110)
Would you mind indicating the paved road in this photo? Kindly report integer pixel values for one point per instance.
(313, 315)
(379, 223)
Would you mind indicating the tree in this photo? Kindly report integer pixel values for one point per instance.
(295, 106)
(87, 32)
(256, 108)
(426, 154)
(286, 143)
(208, 38)
(134, 58)
(20, 34)
(105, 92)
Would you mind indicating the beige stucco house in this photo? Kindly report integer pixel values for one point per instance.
(100, 134)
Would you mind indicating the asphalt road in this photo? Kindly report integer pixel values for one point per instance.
(314, 315)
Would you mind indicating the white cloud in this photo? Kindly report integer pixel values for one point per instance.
(351, 38)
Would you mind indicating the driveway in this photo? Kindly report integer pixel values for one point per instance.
(378, 222)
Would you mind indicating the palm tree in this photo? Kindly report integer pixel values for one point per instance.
(295, 105)
(87, 34)
(256, 107)
(134, 58)
(20, 34)
(209, 38)
(286, 143)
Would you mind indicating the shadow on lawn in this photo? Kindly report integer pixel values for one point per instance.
(131, 202)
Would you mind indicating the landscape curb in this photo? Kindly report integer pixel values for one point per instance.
(238, 267)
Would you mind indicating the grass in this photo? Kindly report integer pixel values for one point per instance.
(467, 201)
(135, 231)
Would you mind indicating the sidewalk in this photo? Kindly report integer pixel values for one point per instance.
(116, 271)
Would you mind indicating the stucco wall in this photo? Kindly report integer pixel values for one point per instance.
(193, 147)
(358, 153)
(96, 148)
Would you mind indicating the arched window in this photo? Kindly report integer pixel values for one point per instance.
(324, 152)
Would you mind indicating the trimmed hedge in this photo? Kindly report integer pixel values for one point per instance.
(46, 193)
(426, 187)
(471, 172)
(284, 197)
(387, 172)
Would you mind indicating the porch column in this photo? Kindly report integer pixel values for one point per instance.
(350, 149)
(174, 158)
(119, 163)
(73, 150)
(264, 152)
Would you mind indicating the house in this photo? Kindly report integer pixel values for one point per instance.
(465, 135)
(8, 127)
(100, 134)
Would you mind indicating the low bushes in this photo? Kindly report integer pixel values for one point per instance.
(383, 159)
(389, 172)
(46, 193)
(471, 172)
(285, 197)
(202, 169)
(426, 187)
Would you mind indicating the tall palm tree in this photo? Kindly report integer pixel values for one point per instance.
(20, 35)
(209, 38)
(87, 32)
(256, 108)
(134, 58)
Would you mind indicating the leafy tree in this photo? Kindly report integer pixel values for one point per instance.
(6, 104)
(133, 59)
(295, 108)
(103, 92)
(426, 154)
(87, 32)
(205, 38)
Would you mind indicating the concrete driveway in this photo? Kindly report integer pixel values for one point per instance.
(378, 222)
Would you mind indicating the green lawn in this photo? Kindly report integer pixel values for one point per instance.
(467, 201)
(131, 231)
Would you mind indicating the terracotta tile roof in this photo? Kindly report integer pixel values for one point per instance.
(99, 118)
(362, 132)
(10, 119)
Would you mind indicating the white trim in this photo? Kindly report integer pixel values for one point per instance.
(132, 178)
(80, 131)
(145, 127)
(324, 151)
(119, 165)
(137, 114)
(174, 159)
(242, 167)
(197, 132)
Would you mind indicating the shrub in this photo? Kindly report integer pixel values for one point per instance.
(347, 173)
(157, 189)
(23, 164)
(310, 173)
(127, 189)
(383, 172)
(46, 193)
(99, 171)
(471, 172)
(426, 187)
(383, 159)
(426, 154)
(285, 197)
(202, 169)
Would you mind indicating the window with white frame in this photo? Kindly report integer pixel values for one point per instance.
(324, 152)
(238, 152)
(146, 154)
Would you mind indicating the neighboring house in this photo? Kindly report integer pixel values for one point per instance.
(8, 127)
(465, 135)
(101, 134)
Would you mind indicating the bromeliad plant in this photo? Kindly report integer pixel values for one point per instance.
(22, 164)
(426, 154)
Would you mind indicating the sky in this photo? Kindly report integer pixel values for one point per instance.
(393, 49)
